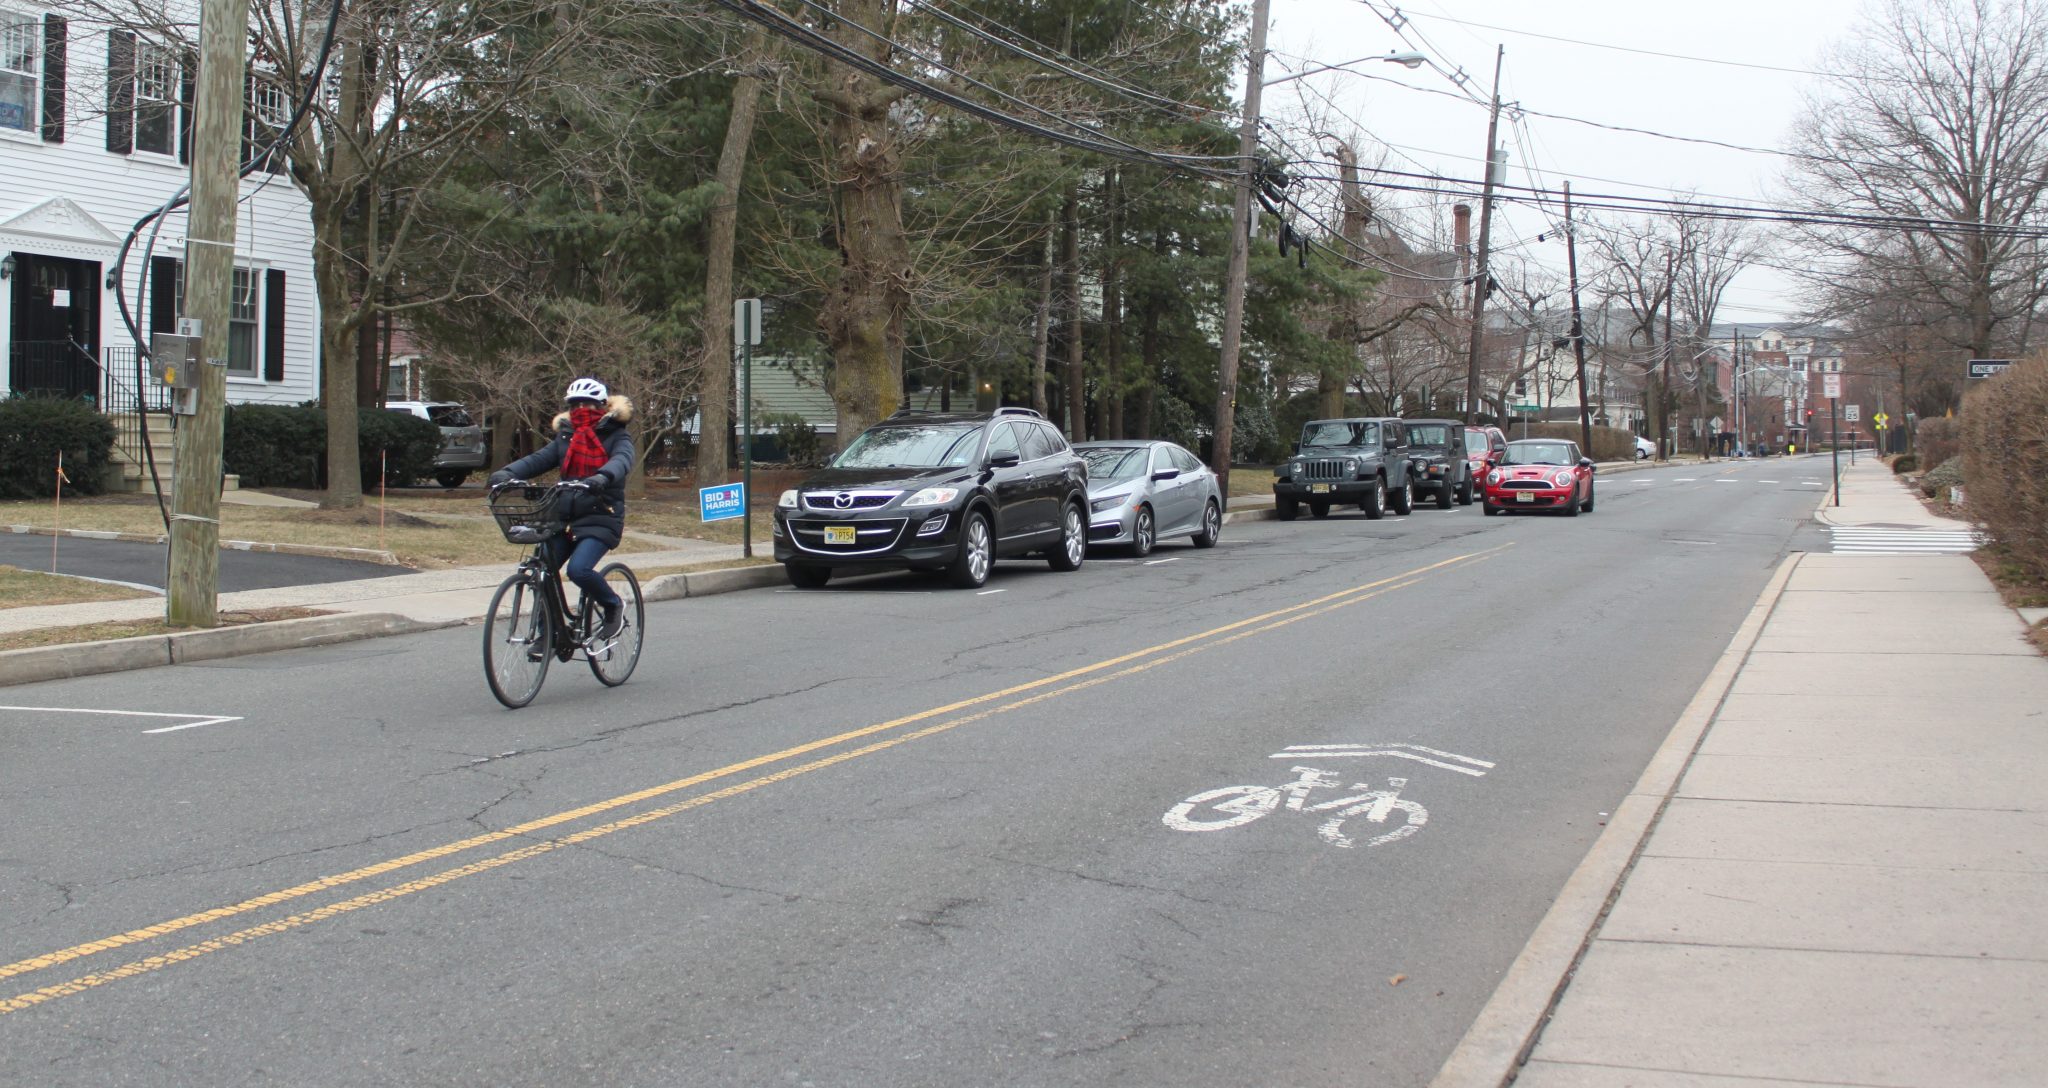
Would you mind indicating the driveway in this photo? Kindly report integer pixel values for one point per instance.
(143, 564)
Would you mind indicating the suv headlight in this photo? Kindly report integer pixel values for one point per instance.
(788, 500)
(933, 496)
(1351, 464)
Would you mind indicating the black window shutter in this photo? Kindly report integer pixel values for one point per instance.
(187, 61)
(163, 294)
(120, 92)
(54, 56)
(273, 325)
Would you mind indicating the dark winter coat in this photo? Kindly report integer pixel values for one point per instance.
(598, 514)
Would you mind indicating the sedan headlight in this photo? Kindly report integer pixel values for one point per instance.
(1109, 502)
(933, 496)
(787, 501)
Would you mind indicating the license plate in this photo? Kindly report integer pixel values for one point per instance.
(1525, 497)
(1319, 489)
(839, 534)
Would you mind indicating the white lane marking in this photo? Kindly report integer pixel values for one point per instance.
(1767, 481)
(1156, 562)
(1642, 481)
(1685, 479)
(986, 592)
(197, 719)
(1354, 751)
(1695, 542)
(1727, 481)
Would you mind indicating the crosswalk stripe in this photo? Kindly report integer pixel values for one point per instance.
(1873, 540)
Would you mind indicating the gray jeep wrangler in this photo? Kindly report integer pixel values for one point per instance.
(1343, 461)
(1436, 459)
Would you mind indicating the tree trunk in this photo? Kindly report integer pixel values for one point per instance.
(1077, 393)
(714, 395)
(1112, 312)
(339, 325)
(1041, 331)
(863, 314)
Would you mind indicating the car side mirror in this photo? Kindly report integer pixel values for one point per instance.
(1167, 474)
(1493, 457)
(1587, 463)
(1004, 459)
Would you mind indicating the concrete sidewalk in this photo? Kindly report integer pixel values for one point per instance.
(1839, 875)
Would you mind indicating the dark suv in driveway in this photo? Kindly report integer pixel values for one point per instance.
(1345, 461)
(938, 491)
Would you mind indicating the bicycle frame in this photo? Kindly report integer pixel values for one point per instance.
(548, 584)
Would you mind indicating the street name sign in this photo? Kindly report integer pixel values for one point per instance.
(721, 502)
(1987, 368)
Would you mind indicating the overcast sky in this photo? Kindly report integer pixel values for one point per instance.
(1739, 105)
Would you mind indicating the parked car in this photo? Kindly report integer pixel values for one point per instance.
(1344, 461)
(1541, 474)
(1140, 493)
(1482, 445)
(938, 491)
(462, 442)
(1437, 463)
(1645, 448)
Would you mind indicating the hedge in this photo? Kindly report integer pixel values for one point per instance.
(274, 446)
(2005, 460)
(1609, 443)
(32, 432)
(1937, 440)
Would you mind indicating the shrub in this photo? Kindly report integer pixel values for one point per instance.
(1904, 463)
(1943, 476)
(269, 445)
(273, 446)
(2004, 434)
(795, 436)
(32, 432)
(1938, 440)
(1609, 443)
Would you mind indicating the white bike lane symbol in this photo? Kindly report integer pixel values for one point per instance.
(1234, 806)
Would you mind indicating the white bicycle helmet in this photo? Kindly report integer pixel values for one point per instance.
(587, 389)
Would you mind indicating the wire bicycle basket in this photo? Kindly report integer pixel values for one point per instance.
(528, 515)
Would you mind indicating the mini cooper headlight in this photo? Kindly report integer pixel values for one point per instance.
(933, 496)
(1564, 479)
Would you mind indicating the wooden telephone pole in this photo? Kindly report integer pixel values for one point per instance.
(1240, 255)
(1571, 260)
(192, 593)
(1483, 273)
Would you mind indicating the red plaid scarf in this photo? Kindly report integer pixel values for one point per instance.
(586, 454)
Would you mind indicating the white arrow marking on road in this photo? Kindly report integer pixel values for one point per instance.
(1343, 751)
(198, 719)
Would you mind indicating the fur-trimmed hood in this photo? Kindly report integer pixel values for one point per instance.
(618, 411)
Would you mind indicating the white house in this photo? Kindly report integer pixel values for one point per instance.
(95, 132)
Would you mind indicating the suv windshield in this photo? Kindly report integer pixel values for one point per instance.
(911, 446)
(1429, 434)
(1540, 453)
(1475, 442)
(1114, 462)
(1338, 434)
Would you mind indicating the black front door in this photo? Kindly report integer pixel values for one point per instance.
(53, 343)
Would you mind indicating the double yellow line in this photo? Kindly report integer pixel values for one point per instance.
(979, 708)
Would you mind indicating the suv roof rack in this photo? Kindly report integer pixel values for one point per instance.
(1015, 411)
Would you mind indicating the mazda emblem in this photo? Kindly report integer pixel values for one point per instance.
(843, 500)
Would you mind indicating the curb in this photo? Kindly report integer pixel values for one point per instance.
(148, 651)
(1493, 1049)
(706, 583)
(317, 551)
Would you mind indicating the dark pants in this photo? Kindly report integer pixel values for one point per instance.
(583, 556)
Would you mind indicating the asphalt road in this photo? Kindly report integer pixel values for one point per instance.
(884, 833)
(142, 564)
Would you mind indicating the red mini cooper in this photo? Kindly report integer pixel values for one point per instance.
(1540, 474)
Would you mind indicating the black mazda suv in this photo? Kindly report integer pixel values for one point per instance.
(938, 491)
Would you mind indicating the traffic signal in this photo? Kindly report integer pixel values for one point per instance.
(1809, 417)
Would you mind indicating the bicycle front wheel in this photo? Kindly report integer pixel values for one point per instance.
(613, 662)
(1221, 808)
(517, 641)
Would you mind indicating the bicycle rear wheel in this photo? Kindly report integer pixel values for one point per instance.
(612, 663)
(517, 640)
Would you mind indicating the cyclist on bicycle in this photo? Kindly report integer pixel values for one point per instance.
(591, 448)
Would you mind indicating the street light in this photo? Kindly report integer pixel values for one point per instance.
(1410, 60)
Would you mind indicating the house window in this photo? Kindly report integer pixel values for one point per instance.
(156, 99)
(243, 315)
(268, 110)
(19, 37)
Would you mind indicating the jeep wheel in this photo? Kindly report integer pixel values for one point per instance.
(1319, 507)
(807, 577)
(970, 566)
(1375, 504)
(1465, 493)
(1402, 499)
(1443, 495)
(1073, 546)
(1286, 509)
(1142, 533)
(1212, 527)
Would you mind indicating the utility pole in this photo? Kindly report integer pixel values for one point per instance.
(191, 597)
(1484, 271)
(1240, 255)
(1664, 384)
(1571, 260)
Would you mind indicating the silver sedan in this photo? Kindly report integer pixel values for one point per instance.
(1143, 492)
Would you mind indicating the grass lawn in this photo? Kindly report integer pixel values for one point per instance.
(94, 632)
(425, 528)
(24, 588)
(1246, 480)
